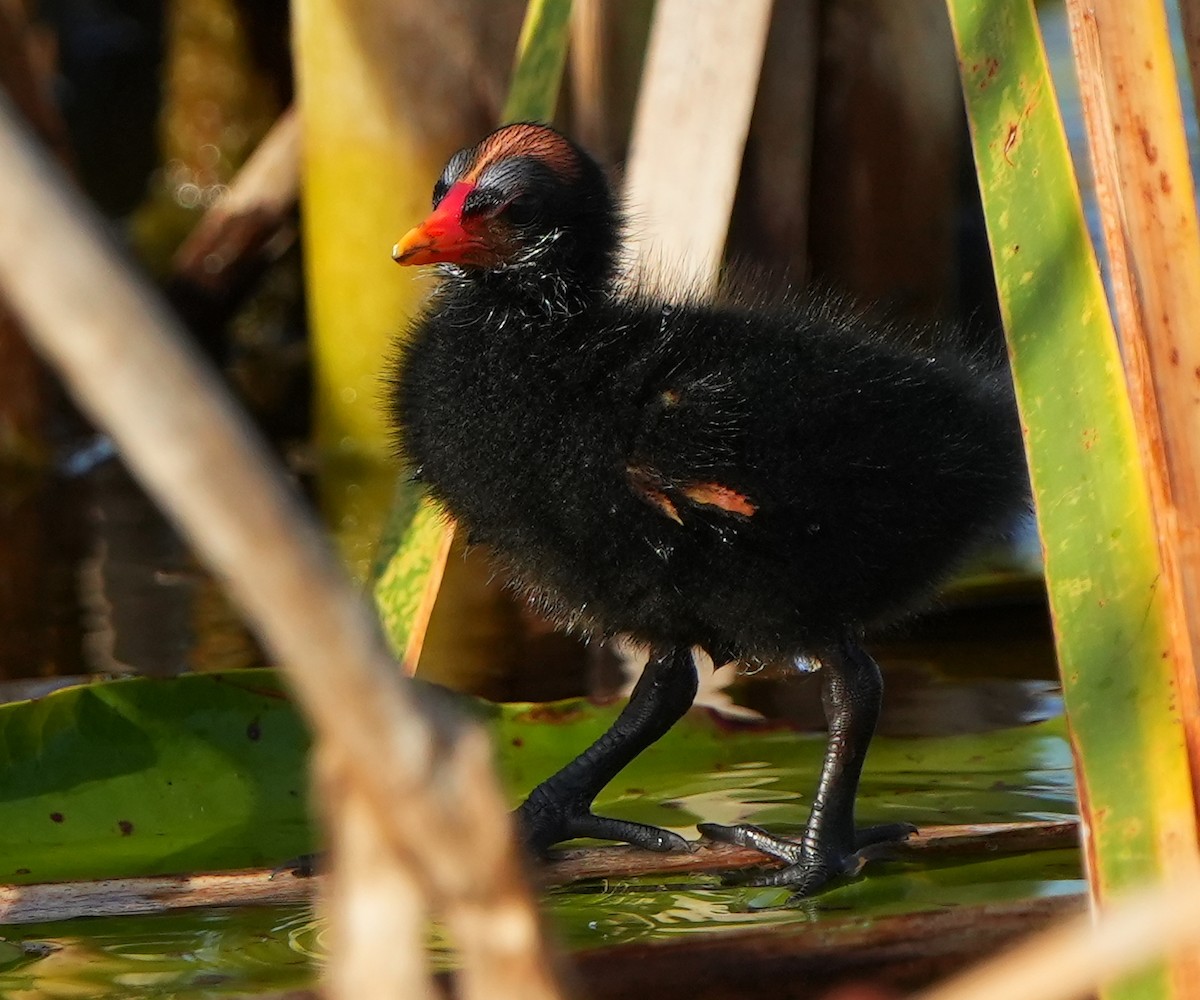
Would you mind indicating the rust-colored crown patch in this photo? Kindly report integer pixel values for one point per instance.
(526, 139)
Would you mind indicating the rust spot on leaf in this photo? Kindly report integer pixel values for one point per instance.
(1148, 147)
(1175, 356)
(125, 827)
(56, 817)
(992, 67)
(1010, 142)
(1164, 182)
(254, 731)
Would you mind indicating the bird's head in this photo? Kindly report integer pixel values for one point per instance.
(525, 202)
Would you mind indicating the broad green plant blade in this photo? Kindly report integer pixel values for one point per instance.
(365, 171)
(207, 771)
(541, 55)
(416, 542)
(1102, 561)
(152, 776)
(413, 554)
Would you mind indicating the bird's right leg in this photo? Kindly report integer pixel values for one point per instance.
(852, 691)
(560, 807)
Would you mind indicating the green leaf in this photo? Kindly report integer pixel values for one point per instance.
(541, 55)
(208, 768)
(412, 557)
(1101, 553)
(417, 539)
(150, 776)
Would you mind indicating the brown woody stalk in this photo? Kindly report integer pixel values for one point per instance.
(46, 902)
(420, 774)
(231, 237)
(1139, 156)
(1070, 961)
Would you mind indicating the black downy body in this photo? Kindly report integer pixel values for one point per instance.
(763, 481)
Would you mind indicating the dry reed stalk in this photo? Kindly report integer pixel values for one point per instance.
(377, 911)
(771, 223)
(1071, 961)
(243, 221)
(1140, 161)
(689, 132)
(588, 56)
(415, 768)
(1139, 152)
(1144, 184)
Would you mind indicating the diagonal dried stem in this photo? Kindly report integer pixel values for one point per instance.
(415, 768)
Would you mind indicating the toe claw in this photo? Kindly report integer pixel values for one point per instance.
(650, 838)
(884, 833)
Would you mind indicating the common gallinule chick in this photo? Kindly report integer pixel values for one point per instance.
(762, 482)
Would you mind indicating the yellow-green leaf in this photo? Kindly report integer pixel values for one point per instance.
(1094, 512)
(541, 55)
(414, 549)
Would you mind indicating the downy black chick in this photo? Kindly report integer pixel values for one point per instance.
(762, 483)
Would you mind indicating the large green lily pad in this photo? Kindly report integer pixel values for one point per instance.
(206, 772)
(148, 776)
(209, 772)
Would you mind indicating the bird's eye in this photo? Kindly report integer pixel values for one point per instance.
(521, 210)
(439, 191)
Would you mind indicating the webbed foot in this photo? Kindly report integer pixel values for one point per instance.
(810, 865)
(560, 807)
(302, 865)
(546, 821)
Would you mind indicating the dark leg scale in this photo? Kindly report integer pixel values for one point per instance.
(560, 807)
(851, 691)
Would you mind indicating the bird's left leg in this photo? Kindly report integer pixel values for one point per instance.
(560, 808)
(852, 691)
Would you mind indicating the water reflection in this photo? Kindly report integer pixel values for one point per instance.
(200, 955)
(94, 580)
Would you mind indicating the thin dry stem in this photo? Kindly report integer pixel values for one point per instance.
(242, 222)
(588, 59)
(130, 367)
(1072, 960)
(374, 900)
(693, 113)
